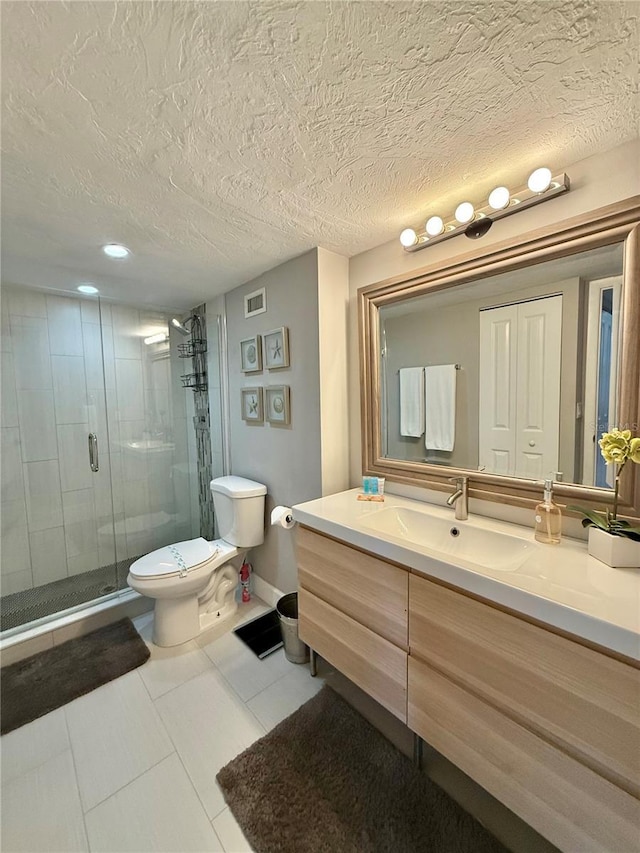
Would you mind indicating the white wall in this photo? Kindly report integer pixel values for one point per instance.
(597, 181)
(333, 307)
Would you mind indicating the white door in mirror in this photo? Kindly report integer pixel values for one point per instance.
(520, 365)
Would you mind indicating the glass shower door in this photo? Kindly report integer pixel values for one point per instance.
(58, 544)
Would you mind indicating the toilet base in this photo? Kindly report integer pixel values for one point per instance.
(175, 621)
(179, 620)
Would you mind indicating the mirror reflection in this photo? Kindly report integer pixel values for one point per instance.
(512, 374)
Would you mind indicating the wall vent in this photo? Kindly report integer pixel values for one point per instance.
(255, 303)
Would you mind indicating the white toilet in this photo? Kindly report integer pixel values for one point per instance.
(194, 582)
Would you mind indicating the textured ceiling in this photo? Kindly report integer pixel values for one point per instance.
(218, 139)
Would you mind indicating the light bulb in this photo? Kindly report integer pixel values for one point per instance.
(116, 250)
(408, 237)
(464, 212)
(539, 180)
(434, 226)
(87, 288)
(499, 198)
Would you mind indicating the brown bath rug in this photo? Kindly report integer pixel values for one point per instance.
(39, 684)
(326, 780)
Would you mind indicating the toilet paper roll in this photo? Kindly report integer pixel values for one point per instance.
(283, 516)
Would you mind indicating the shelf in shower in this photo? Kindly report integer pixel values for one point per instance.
(191, 348)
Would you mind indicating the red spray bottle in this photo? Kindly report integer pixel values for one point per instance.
(245, 571)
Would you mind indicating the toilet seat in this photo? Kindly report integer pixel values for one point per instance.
(182, 558)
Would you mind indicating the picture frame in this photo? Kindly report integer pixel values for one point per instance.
(277, 405)
(251, 355)
(252, 406)
(276, 348)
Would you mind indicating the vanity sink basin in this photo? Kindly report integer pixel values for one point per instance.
(490, 549)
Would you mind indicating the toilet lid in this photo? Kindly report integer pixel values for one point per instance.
(173, 559)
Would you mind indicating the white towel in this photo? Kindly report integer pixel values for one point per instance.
(411, 401)
(440, 407)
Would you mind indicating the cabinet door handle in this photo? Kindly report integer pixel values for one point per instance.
(93, 452)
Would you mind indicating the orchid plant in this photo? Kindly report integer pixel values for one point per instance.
(617, 448)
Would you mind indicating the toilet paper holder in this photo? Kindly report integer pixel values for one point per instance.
(282, 516)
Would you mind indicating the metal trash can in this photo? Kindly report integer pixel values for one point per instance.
(295, 650)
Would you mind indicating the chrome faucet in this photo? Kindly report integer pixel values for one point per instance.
(460, 498)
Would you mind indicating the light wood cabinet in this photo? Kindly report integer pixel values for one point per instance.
(353, 611)
(548, 725)
(565, 801)
(371, 591)
(370, 661)
(584, 702)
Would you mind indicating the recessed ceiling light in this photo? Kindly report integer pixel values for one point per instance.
(116, 250)
(87, 288)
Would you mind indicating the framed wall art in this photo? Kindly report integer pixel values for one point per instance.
(276, 348)
(251, 355)
(252, 410)
(277, 404)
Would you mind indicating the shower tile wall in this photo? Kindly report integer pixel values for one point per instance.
(57, 514)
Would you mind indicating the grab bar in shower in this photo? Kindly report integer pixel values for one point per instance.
(93, 452)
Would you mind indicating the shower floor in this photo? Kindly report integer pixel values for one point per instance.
(20, 608)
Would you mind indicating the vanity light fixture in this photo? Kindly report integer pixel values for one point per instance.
(474, 222)
(116, 250)
(434, 226)
(89, 289)
(499, 198)
(408, 237)
(464, 212)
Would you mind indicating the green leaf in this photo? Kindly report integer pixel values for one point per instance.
(591, 518)
(623, 528)
(614, 526)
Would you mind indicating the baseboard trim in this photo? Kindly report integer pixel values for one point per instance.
(266, 591)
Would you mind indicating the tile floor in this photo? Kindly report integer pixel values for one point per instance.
(132, 765)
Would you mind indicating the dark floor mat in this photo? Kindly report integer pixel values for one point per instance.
(46, 681)
(262, 634)
(325, 780)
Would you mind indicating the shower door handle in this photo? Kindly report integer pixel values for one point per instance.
(93, 452)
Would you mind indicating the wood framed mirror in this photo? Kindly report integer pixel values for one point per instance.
(545, 331)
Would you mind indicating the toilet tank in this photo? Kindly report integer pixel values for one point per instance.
(239, 509)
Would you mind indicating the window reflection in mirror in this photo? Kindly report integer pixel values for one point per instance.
(538, 353)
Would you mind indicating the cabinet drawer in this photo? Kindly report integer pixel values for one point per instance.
(575, 697)
(374, 664)
(562, 799)
(371, 591)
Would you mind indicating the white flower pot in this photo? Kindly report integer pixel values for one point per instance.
(616, 551)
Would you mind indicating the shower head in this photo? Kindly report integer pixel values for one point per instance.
(180, 326)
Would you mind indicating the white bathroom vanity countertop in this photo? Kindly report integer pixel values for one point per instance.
(559, 585)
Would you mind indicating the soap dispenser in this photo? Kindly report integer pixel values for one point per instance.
(548, 518)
